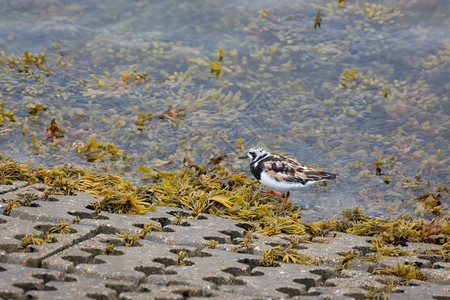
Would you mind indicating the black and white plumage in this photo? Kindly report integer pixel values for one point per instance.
(281, 173)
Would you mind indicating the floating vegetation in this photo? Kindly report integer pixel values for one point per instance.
(28, 62)
(94, 150)
(36, 107)
(263, 13)
(173, 115)
(53, 132)
(134, 76)
(318, 19)
(431, 202)
(5, 114)
(215, 68)
(404, 271)
(37, 59)
(143, 118)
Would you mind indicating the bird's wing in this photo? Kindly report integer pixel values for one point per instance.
(287, 169)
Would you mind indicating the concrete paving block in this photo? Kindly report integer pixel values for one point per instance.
(75, 287)
(134, 263)
(16, 280)
(11, 231)
(421, 290)
(92, 262)
(57, 208)
(336, 293)
(23, 194)
(323, 297)
(328, 252)
(118, 223)
(33, 255)
(355, 279)
(195, 232)
(175, 291)
(440, 276)
(65, 261)
(441, 265)
(3, 256)
(208, 269)
(15, 185)
(283, 281)
(391, 262)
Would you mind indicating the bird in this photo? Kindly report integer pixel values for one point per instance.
(281, 173)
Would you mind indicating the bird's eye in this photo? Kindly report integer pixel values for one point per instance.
(253, 154)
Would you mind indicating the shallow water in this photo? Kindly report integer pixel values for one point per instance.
(283, 85)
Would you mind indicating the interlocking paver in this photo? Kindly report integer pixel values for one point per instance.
(16, 280)
(90, 259)
(75, 287)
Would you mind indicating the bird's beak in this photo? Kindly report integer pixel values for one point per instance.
(243, 157)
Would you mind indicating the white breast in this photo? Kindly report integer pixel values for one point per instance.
(281, 186)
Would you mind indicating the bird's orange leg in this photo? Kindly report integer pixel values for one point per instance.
(286, 198)
(272, 192)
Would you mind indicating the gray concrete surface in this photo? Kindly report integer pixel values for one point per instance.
(77, 265)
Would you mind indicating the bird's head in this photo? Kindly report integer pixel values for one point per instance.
(255, 154)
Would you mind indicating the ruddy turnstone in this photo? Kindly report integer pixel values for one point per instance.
(281, 173)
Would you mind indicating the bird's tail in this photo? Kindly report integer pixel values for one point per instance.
(320, 175)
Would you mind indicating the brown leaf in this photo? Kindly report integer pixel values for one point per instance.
(172, 114)
(218, 159)
(54, 132)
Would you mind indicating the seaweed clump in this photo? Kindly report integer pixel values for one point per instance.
(130, 239)
(219, 190)
(392, 230)
(405, 271)
(5, 114)
(118, 195)
(287, 254)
